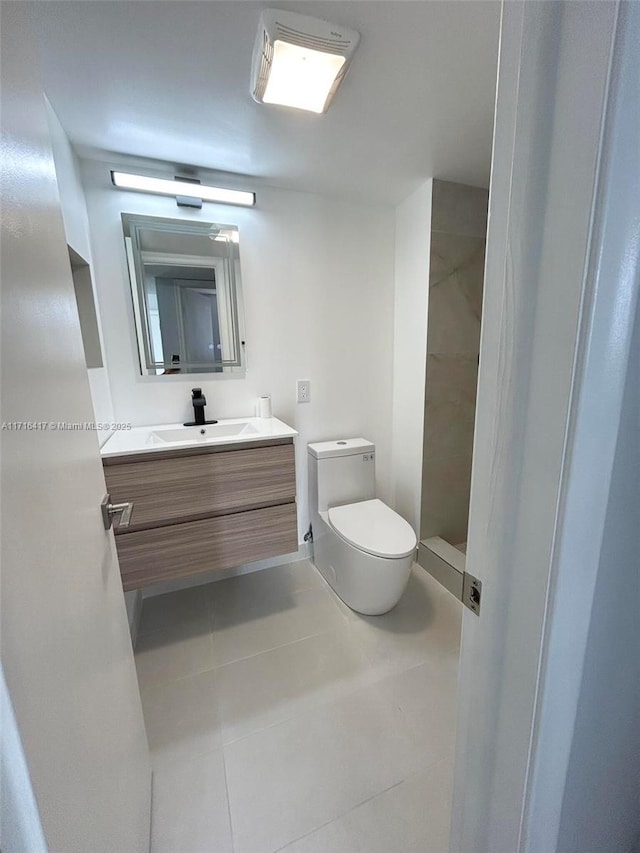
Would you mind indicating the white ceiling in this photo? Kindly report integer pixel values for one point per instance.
(170, 81)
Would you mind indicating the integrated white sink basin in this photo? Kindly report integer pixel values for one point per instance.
(161, 437)
(187, 435)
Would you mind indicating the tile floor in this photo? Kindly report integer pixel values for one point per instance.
(279, 720)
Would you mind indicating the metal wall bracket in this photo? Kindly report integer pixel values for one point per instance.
(188, 201)
(471, 592)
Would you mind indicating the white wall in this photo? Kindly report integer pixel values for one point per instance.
(411, 297)
(74, 211)
(318, 293)
(76, 229)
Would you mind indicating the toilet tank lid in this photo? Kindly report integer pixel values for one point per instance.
(340, 447)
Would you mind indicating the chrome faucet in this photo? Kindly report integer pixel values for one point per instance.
(199, 401)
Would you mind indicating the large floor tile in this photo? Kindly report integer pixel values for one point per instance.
(411, 817)
(245, 624)
(294, 576)
(173, 653)
(182, 718)
(274, 686)
(289, 779)
(424, 701)
(186, 607)
(277, 580)
(190, 810)
(337, 730)
(423, 626)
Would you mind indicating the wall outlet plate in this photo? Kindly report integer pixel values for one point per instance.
(303, 391)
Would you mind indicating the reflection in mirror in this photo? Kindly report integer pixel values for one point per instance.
(187, 297)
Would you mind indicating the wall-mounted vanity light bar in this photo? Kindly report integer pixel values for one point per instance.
(162, 186)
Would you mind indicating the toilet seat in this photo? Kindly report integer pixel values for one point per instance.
(373, 527)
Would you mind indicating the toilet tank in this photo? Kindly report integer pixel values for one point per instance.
(341, 472)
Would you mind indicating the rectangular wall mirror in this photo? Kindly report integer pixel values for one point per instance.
(187, 296)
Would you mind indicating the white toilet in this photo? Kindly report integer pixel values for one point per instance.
(362, 548)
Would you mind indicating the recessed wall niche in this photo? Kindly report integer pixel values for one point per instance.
(83, 288)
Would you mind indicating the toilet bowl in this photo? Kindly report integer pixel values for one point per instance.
(362, 547)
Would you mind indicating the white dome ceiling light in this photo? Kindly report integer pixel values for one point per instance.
(299, 61)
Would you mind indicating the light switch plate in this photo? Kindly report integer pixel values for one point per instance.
(303, 391)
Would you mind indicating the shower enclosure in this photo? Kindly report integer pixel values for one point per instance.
(456, 275)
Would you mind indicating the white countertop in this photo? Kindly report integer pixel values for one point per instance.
(149, 439)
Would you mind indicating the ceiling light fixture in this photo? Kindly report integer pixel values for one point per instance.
(300, 61)
(182, 188)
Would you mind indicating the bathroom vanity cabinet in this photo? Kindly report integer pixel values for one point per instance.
(200, 509)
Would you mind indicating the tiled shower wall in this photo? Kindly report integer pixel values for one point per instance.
(458, 235)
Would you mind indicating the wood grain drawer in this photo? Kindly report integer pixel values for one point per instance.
(169, 490)
(180, 550)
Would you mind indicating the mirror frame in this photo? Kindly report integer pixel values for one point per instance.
(132, 225)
